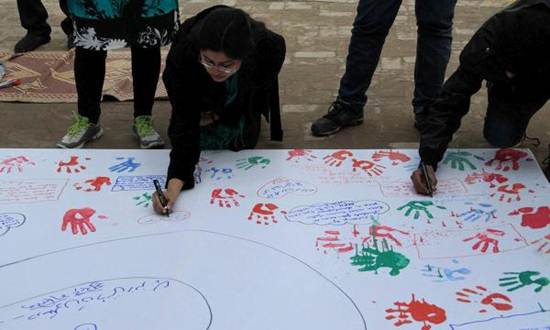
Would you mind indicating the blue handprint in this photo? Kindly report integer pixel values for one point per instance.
(197, 175)
(445, 274)
(475, 214)
(220, 173)
(128, 165)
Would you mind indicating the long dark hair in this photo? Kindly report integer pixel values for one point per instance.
(227, 30)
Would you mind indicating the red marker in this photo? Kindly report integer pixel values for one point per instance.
(10, 83)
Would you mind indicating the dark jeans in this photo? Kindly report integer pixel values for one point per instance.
(33, 16)
(506, 121)
(89, 71)
(434, 19)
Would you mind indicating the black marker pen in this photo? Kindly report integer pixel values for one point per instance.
(162, 198)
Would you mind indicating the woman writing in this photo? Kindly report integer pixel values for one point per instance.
(221, 75)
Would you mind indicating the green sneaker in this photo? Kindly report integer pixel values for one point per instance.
(80, 133)
(146, 134)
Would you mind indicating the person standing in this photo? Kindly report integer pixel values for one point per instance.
(142, 25)
(33, 16)
(434, 19)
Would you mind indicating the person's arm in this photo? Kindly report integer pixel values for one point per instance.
(477, 62)
(180, 80)
(445, 115)
(443, 120)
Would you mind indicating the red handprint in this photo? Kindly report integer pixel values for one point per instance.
(226, 197)
(496, 300)
(506, 156)
(395, 156)
(507, 194)
(372, 169)
(264, 213)
(484, 239)
(544, 242)
(337, 158)
(419, 311)
(301, 154)
(71, 165)
(79, 219)
(332, 241)
(17, 163)
(486, 177)
(94, 184)
(381, 231)
(531, 219)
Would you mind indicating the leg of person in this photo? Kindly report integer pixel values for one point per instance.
(506, 122)
(33, 16)
(145, 73)
(434, 19)
(370, 28)
(89, 70)
(67, 23)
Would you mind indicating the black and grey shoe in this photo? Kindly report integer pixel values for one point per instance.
(339, 116)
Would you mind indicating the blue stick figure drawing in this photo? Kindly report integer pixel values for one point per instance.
(128, 165)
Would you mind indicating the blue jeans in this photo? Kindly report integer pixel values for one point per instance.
(373, 21)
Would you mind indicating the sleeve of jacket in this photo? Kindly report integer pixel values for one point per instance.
(271, 52)
(445, 114)
(184, 128)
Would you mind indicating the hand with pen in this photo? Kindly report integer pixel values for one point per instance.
(163, 201)
(424, 180)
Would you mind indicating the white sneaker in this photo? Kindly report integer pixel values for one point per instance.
(146, 134)
(80, 133)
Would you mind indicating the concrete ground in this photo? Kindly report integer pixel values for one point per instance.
(317, 34)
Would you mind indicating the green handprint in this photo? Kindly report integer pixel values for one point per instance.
(523, 279)
(250, 162)
(144, 199)
(458, 160)
(417, 207)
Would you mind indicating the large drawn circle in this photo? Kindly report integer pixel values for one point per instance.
(120, 303)
(247, 284)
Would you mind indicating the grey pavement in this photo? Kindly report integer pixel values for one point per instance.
(317, 34)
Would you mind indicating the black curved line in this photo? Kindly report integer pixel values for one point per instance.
(125, 278)
(210, 232)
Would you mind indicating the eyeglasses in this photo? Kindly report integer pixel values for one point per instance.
(221, 68)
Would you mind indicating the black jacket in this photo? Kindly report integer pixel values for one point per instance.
(505, 42)
(192, 91)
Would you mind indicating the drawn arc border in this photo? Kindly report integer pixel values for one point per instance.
(124, 278)
(207, 232)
